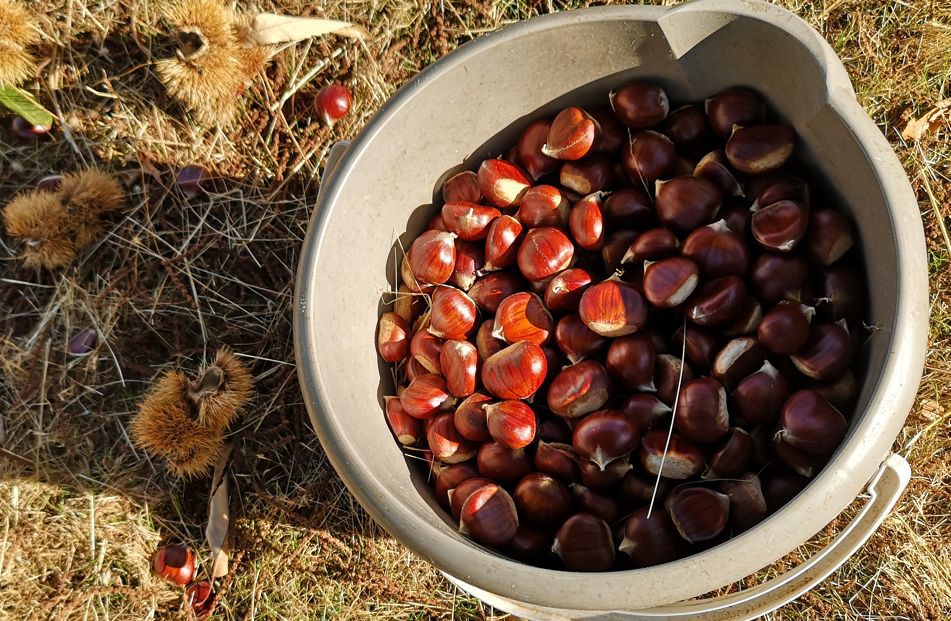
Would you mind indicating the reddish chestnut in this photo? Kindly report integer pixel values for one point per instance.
(459, 361)
(425, 349)
(463, 186)
(332, 103)
(544, 252)
(592, 174)
(502, 242)
(779, 187)
(579, 389)
(586, 222)
(174, 564)
(405, 428)
(698, 513)
(446, 443)
(584, 543)
(426, 396)
(486, 344)
(577, 342)
(502, 183)
(630, 361)
(460, 494)
(529, 150)
(523, 317)
(541, 499)
(392, 339)
(669, 282)
(452, 314)
(511, 423)
(468, 220)
(572, 135)
(543, 205)
(563, 292)
(685, 203)
(470, 420)
(516, 372)
(432, 256)
(605, 436)
(489, 516)
(648, 157)
(470, 261)
(613, 308)
(489, 291)
(640, 105)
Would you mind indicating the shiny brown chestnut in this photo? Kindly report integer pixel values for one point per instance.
(669, 374)
(554, 429)
(432, 256)
(699, 514)
(558, 460)
(830, 236)
(470, 261)
(652, 245)
(541, 499)
(489, 291)
(592, 174)
(630, 361)
(669, 282)
(604, 480)
(737, 217)
(737, 359)
(687, 126)
(760, 149)
(502, 183)
(700, 349)
(732, 456)
(462, 186)
(779, 487)
(638, 488)
(760, 396)
(682, 461)
(529, 544)
(800, 462)
(785, 327)
(414, 369)
(734, 106)
(450, 477)
(563, 292)
(842, 293)
(446, 443)
(511, 423)
(452, 313)
(586, 222)
(489, 516)
(780, 226)
(615, 248)
(501, 463)
(747, 503)
(523, 317)
(460, 493)
(543, 205)
(647, 157)
(405, 428)
(572, 135)
(640, 104)
(579, 389)
(779, 187)
(584, 543)
(717, 250)
(701, 415)
(392, 340)
(516, 372)
(426, 396)
(469, 221)
(469, 417)
(827, 352)
(613, 134)
(502, 241)
(630, 208)
(646, 410)
(685, 203)
(529, 150)
(811, 424)
(613, 308)
(747, 320)
(601, 505)
(544, 252)
(486, 344)
(459, 362)
(650, 540)
(577, 342)
(717, 301)
(715, 167)
(605, 436)
(779, 276)
(840, 392)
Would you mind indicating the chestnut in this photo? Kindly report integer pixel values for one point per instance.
(463, 186)
(737, 217)
(699, 514)
(572, 135)
(780, 226)
(827, 352)
(830, 236)
(780, 487)
(687, 127)
(739, 358)
(597, 504)
(785, 327)
(486, 344)
(469, 417)
(842, 293)
(563, 292)
(426, 396)
(811, 424)
(715, 167)
(432, 256)
(604, 480)
(501, 463)
(760, 149)
(685, 203)
(586, 222)
(452, 313)
(652, 245)
(647, 157)
(700, 349)
(392, 339)
(779, 277)
(406, 429)
(426, 349)
(502, 183)
(640, 104)
(579, 389)
(701, 415)
(732, 456)
(446, 443)
(669, 373)
(489, 291)
(544, 252)
(502, 243)
(469, 221)
(543, 205)
(649, 540)
(414, 369)
(630, 208)
(646, 410)
(541, 499)
(459, 362)
(760, 396)
(450, 477)
(735, 106)
(747, 320)
(615, 249)
(630, 361)
(559, 460)
(717, 250)
(175, 564)
(605, 436)
(523, 317)
(529, 544)
(577, 342)
(747, 503)
(840, 392)
(516, 372)
(613, 308)
(470, 261)
(639, 488)
(802, 462)
(460, 494)
(529, 150)
(592, 174)
(681, 460)
(718, 301)
(669, 282)
(489, 516)
(779, 187)
(613, 134)
(584, 543)
(511, 423)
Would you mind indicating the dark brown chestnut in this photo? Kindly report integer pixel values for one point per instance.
(779, 276)
(638, 488)
(735, 106)
(541, 499)
(529, 544)
(785, 327)
(630, 361)
(698, 513)
(613, 134)
(760, 396)
(717, 301)
(597, 504)
(715, 167)
(827, 352)
(646, 410)
(779, 187)
(779, 487)
(450, 477)
(577, 342)
(605, 436)
(592, 174)
(649, 541)
(701, 347)
(489, 516)
(489, 291)
(669, 282)
(604, 480)
(701, 415)
(615, 248)
(630, 208)
(800, 462)
(687, 127)
(648, 157)
(503, 464)
(670, 373)
(554, 429)
(717, 250)
(469, 418)
(529, 150)
(737, 217)
(811, 424)
(732, 456)
(585, 543)
(780, 226)
(747, 320)
(840, 392)
(563, 292)
(640, 105)
(760, 149)
(460, 494)
(739, 358)
(682, 461)
(842, 293)
(685, 203)
(747, 503)
(558, 460)
(586, 222)
(830, 236)
(579, 389)
(652, 245)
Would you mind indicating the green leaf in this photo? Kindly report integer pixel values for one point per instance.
(22, 103)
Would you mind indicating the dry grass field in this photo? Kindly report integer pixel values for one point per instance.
(82, 509)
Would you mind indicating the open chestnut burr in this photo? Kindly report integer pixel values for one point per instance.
(641, 308)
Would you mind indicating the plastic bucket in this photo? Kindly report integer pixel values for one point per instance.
(463, 109)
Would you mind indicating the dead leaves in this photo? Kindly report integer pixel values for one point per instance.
(271, 29)
(930, 122)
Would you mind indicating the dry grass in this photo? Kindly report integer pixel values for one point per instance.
(173, 279)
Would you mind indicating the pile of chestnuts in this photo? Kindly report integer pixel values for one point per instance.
(620, 270)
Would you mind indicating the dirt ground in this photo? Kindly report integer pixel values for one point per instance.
(82, 509)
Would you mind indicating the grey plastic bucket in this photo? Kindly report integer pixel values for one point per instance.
(466, 107)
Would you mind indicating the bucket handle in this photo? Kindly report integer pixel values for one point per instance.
(885, 489)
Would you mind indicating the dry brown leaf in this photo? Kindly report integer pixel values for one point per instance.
(928, 123)
(219, 516)
(270, 28)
